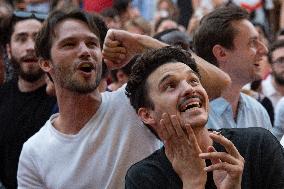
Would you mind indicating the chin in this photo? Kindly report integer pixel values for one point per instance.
(198, 121)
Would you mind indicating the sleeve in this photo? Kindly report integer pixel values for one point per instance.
(28, 175)
(272, 162)
(278, 129)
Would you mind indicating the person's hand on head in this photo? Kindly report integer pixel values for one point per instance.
(227, 166)
(183, 151)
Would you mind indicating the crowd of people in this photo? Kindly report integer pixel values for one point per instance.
(141, 94)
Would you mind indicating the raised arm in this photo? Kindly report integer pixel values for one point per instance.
(120, 46)
(213, 79)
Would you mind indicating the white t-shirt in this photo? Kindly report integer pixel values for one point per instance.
(95, 158)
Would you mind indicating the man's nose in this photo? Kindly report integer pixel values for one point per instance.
(30, 44)
(187, 88)
(84, 50)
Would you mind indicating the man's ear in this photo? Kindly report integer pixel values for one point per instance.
(45, 65)
(146, 116)
(8, 49)
(120, 76)
(220, 53)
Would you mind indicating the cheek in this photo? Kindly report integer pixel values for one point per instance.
(253, 51)
(97, 54)
(16, 50)
(168, 104)
(203, 92)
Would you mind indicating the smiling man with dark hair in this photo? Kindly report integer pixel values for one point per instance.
(165, 90)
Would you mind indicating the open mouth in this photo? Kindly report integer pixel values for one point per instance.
(191, 103)
(30, 59)
(191, 106)
(86, 67)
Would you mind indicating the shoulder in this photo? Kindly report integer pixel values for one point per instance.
(8, 86)
(148, 163)
(252, 136)
(115, 96)
(246, 132)
(117, 103)
(155, 171)
(251, 103)
(248, 99)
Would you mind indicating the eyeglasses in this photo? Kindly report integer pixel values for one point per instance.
(24, 14)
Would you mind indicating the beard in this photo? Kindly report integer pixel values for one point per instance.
(279, 79)
(30, 76)
(66, 80)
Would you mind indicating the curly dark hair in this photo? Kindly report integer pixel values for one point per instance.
(137, 89)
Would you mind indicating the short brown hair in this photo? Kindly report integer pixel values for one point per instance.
(216, 28)
(45, 36)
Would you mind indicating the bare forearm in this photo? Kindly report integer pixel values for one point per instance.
(148, 42)
(213, 79)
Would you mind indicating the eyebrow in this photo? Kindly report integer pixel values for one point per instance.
(25, 33)
(21, 34)
(167, 76)
(93, 38)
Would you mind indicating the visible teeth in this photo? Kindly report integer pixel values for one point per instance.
(86, 66)
(192, 105)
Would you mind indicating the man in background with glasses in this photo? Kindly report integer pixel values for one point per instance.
(273, 85)
(24, 104)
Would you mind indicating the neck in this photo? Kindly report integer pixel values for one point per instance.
(203, 139)
(26, 86)
(232, 92)
(232, 95)
(277, 86)
(75, 110)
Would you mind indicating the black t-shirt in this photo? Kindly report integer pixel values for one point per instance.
(264, 163)
(21, 116)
